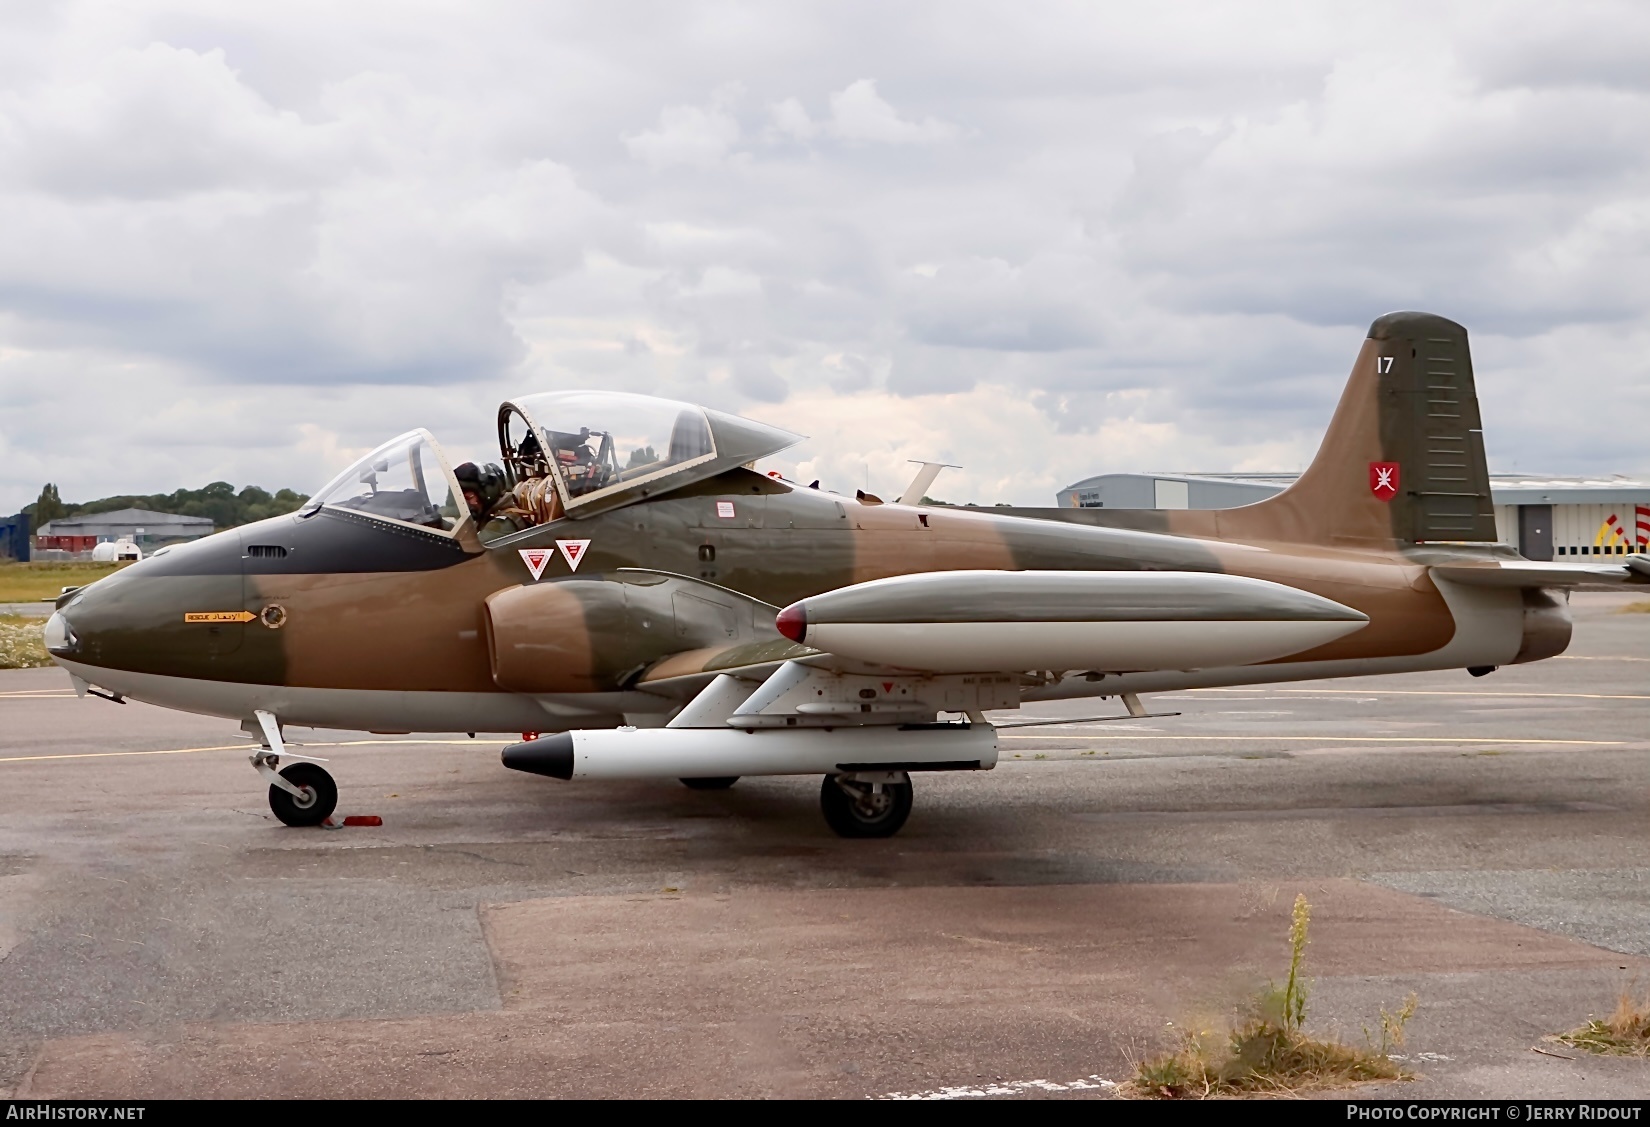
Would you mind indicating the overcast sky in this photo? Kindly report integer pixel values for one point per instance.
(1041, 240)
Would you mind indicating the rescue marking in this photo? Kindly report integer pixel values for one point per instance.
(1002, 1088)
(1383, 480)
(724, 509)
(219, 616)
(535, 559)
(573, 552)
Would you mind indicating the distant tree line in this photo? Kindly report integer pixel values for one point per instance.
(219, 501)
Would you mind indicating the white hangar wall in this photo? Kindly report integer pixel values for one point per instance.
(1543, 517)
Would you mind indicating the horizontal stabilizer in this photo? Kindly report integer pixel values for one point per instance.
(1526, 573)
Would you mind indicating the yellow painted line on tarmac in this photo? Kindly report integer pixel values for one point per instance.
(381, 743)
(1324, 739)
(247, 747)
(115, 754)
(1433, 693)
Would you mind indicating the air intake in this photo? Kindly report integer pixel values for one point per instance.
(266, 551)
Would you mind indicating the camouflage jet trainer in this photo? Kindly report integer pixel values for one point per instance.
(625, 580)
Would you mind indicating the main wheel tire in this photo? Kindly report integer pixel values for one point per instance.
(319, 801)
(855, 809)
(719, 782)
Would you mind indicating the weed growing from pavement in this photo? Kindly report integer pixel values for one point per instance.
(1625, 1033)
(22, 642)
(1268, 1051)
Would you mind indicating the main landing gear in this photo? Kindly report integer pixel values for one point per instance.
(855, 803)
(866, 803)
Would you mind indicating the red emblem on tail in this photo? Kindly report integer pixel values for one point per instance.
(1383, 480)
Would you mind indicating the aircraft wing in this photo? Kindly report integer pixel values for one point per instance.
(1529, 573)
(1018, 621)
(692, 669)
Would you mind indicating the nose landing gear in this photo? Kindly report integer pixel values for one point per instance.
(315, 800)
(302, 794)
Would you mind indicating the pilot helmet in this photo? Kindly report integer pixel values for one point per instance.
(486, 482)
(491, 484)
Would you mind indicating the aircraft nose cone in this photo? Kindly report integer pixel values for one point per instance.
(60, 636)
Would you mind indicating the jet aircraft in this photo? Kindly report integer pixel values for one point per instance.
(625, 581)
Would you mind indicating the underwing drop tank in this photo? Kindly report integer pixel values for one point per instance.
(665, 753)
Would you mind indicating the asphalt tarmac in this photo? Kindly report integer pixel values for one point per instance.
(1478, 842)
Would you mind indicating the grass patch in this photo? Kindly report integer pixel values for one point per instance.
(1640, 607)
(22, 642)
(1267, 1050)
(31, 582)
(1625, 1033)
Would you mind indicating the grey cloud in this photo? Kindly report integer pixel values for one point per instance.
(1575, 52)
(756, 378)
(992, 305)
(859, 113)
(1173, 219)
(700, 135)
(158, 122)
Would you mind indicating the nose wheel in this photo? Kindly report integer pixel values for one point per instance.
(315, 801)
(301, 793)
(866, 803)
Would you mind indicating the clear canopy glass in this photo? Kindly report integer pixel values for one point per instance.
(406, 480)
(600, 442)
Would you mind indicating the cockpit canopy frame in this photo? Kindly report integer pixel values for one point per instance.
(603, 449)
(406, 480)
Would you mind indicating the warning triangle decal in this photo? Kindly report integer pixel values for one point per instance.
(535, 559)
(573, 552)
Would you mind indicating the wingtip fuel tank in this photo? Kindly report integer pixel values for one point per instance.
(967, 621)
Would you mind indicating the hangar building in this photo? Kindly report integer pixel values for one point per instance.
(1543, 517)
(14, 538)
(82, 532)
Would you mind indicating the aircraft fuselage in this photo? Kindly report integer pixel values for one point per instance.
(384, 626)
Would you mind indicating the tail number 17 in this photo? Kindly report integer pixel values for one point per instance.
(1383, 364)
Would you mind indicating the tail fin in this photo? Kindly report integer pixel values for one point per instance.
(1403, 459)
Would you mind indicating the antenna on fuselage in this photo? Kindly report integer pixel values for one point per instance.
(925, 477)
